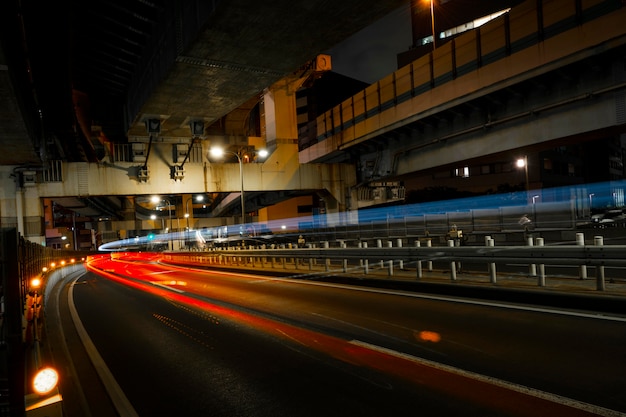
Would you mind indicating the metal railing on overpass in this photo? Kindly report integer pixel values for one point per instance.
(363, 259)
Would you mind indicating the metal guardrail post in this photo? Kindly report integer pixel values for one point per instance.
(390, 261)
(366, 261)
(360, 246)
(283, 260)
(541, 279)
(532, 268)
(327, 263)
(492, 265)
(600, 282)
(419, 263)
(400, 262)
(487, 237)
(379, 244)
(580, 241)
(345, 261)
(310, 258)
(429, 264)
(452, 263)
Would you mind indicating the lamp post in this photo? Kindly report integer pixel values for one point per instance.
(187, 214)
(218, 153)
(432, 21)
(523, 163)
(157, 199)
(153, 217)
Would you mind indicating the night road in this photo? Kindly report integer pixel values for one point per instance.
(185, 342)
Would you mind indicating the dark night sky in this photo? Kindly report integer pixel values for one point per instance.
(370, 54)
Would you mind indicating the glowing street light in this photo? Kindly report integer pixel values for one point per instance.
(217, 152)
(187, 214)
(45, 380)
(523, 163)
(156, 199)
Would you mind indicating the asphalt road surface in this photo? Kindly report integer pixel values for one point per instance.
(199, 343)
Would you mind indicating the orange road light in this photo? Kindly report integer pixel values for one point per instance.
(45, 380)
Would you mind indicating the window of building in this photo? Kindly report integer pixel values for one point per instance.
(547, 164)
(463, 172)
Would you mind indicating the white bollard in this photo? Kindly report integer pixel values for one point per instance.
(580, 241)
(600, 283)
(379, 244)
(345, 261)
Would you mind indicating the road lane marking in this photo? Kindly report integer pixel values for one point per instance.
(569, 402)
(167, 287)
(119, 399)
(365, 329)
(598, 316)
(265, 279)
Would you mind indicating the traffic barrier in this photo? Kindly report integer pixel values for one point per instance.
(536, 254)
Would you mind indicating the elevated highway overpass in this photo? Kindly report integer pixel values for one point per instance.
(533, 78)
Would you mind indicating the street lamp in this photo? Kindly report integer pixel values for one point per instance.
(187, 214)
(154, 217)
(523, 163)
(157, 199)
(432, 21)
(217, 152)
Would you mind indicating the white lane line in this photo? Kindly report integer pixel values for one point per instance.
(167, 287)
(461, 300)
(264, 279)
(119, 399)
(601, 411)
(58, 288)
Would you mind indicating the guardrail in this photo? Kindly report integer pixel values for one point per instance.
(359, 259)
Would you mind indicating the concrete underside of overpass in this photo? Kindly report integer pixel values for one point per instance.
(174, 62)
